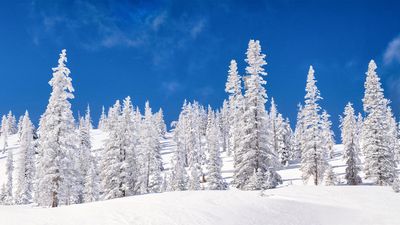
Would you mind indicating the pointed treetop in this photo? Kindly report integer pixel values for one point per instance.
(372, 65)
(233, 83)
(311, 88)
(255, 59)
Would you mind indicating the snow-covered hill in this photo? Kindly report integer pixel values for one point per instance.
(291, 203)
(282, 206)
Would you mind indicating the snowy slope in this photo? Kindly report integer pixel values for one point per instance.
(299, 205)
(291, 203)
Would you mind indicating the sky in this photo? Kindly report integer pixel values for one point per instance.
(168, 51)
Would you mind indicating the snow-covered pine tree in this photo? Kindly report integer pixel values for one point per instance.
(88, 119)
(90, 174)
(214, 165)
(11, 123)
(19, 126)
(327, 133)
(26, 163)
(257, 154)
(283, 138)
(9, 199)
(92, 182)
(298, 134)
(280, 134)
(103, 120)
(330, 178)
(360, 121)
(129, 167)
(84, 156)
(224, 127)
(111, 162)
(397, 148)
(348, 128)
(4, 132)
(160, 123)
(150, 157)
(178, 178)
(313, 161)
(274, 126)
(379, 162)
(233, 87)
(195, 151)
(57, 142)
(394, 134)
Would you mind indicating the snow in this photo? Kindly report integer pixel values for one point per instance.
(282, 206)
(291, 203)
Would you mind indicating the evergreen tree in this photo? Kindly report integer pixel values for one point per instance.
(150, 175)
(178, 178)
(313, 161)
(350, 141)
(112, 184)
(376, 140)
(256, 153)
(26, 163)
(224, 127)
(57, 142)
(11, 123)
(327, 134)
(83, 159)
(235, 105)
(19, 126)
(298, 135)
(129, 147)
(4, 132)
(280, 135)
(330, 177)
(92, 182)
(214, 177)
(360, 121)
(9, 185)
(160, 123)
(103, 120)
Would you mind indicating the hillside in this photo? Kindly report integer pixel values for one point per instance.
(291, 203)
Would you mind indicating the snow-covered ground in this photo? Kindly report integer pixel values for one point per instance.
(291, 203)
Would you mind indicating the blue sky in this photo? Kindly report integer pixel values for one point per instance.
(166, 51)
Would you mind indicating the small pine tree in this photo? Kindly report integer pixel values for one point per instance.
(351, 147)
(330, 178)
(11, 123)
(92, 182)
(327, 134)
(4, 132)
(9, 186)
(103, 120)
(214, 177)
(26, 163)
(313, 148)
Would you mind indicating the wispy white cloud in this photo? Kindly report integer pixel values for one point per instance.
(392, 53)
(197, 28)
(159, 20)
(171, 86)
(96, 25)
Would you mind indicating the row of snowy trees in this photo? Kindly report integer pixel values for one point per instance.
(61, 168)
(375, 137)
